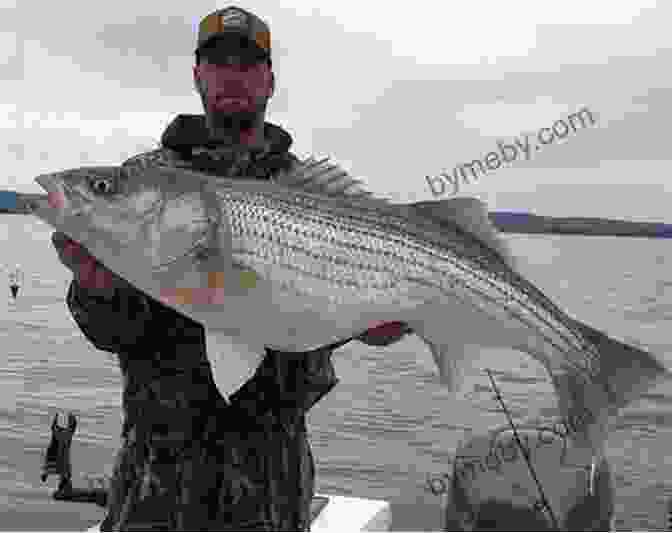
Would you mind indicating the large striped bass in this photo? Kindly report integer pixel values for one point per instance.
(299, 264)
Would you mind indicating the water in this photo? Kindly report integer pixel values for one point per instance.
(385, 428)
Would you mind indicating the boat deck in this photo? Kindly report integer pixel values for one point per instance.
(342, 513)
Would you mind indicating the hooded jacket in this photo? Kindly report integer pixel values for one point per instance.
(189, 460)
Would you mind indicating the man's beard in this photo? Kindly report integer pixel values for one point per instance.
(233, 122)
(228, 126)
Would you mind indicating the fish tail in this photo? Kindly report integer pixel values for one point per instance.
(625, 370)
(623, 374)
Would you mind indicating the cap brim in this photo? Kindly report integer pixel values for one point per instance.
(232, 40)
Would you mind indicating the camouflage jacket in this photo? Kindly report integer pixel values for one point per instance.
(189, 461)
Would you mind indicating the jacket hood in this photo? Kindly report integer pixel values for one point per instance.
(188, 131)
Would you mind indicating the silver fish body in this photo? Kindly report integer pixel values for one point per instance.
(294, 268)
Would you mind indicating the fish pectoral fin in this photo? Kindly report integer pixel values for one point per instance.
(470, 214)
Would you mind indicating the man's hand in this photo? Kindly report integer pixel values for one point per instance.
(88, 272)
(385, 334)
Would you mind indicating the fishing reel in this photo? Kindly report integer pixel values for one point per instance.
(57, 458)
(57, 461)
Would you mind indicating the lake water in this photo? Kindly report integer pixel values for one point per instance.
(385, 428)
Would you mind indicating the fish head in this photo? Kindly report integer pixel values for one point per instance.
(82, 193)
(128, 219)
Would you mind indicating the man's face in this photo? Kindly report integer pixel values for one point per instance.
(235, 83)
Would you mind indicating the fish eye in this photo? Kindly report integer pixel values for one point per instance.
(101, 185)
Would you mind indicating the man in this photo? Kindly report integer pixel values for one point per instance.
(493, 489)
(189, 460)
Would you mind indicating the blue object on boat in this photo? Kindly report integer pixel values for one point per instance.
(8, 200)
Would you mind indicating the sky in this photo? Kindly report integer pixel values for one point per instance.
(394, 93)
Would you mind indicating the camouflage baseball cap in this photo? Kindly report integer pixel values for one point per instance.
(234, 21)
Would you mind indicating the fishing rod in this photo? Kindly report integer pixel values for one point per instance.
(526, 455)
(15, 203)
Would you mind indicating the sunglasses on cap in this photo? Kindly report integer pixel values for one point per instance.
(222, 50)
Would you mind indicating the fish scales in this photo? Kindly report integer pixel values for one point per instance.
(380, 234)
(361, 230)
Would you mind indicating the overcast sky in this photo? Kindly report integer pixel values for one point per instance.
(394, 93)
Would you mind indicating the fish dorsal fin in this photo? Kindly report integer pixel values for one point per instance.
(322, 177)
(470, 214)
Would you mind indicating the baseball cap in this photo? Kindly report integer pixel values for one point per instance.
(235, 22)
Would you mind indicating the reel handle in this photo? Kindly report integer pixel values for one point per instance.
(57, 461)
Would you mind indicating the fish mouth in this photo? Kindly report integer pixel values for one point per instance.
(60, 196)
(57, 194)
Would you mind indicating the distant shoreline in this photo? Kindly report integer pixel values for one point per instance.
(525, 223)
